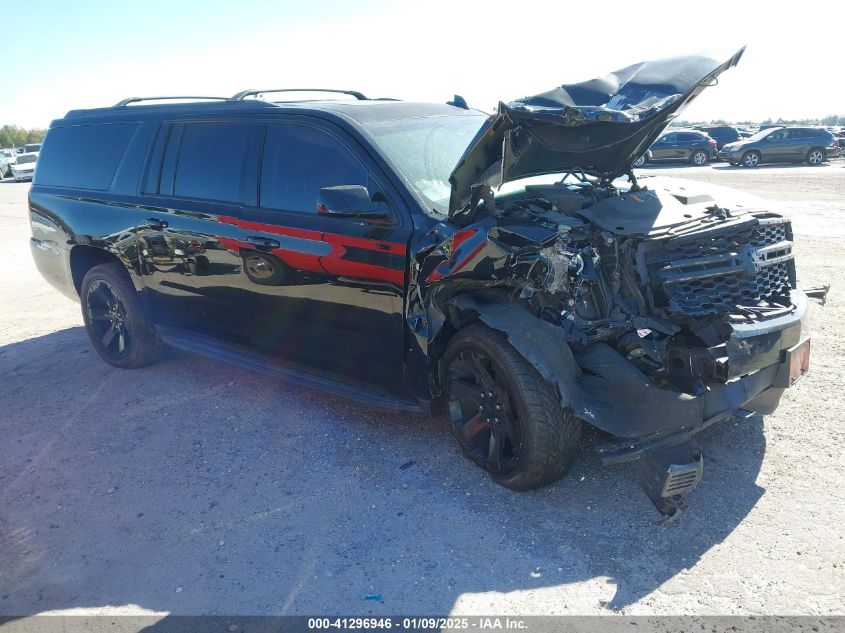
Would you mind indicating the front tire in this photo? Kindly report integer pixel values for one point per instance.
(115, 320)
(751, 159)
(639, 162)
(506, 417)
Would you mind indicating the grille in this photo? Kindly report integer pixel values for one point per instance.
(713, 275)
(766, 234)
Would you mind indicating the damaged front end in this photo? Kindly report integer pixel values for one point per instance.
(653, 312)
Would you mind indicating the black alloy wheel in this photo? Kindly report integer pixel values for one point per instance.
(107, 316)
(506, 417)
(483, 413)
(114, 318)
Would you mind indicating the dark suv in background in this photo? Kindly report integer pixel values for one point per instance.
(722, 134)
(364, 247)
(689, 146)
(782, 144)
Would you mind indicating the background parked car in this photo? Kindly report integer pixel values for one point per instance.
(32, 147)
(784, 144)
(7, 156)
(840, 144)
(23, 166)
(722, 134)
(692, 146)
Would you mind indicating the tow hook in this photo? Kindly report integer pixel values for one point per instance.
(666, 473)
(818, 293)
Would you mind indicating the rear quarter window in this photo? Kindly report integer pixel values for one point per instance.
(83, 156)
(211, 160)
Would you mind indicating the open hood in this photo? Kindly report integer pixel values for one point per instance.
(599, 126)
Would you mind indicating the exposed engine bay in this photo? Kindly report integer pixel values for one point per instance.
(655, 311)
(659, 276)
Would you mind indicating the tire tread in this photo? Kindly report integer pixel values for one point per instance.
(554, 433)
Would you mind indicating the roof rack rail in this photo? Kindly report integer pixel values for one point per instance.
(248, 93)
(129, 100)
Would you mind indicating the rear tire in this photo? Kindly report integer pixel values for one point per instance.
(506, 417)
(115, 320)
(815, 156)
(699, 158)
(264, 270)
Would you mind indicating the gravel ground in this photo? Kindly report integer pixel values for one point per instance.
(191, 487)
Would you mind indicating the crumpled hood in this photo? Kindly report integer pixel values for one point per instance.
(599, 126)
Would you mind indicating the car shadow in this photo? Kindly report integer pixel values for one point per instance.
(191, 487)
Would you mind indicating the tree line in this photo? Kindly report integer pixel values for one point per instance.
(831, 119)
(16, 136)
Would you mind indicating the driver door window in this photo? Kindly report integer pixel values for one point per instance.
(298, 161)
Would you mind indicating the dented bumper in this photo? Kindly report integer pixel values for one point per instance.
(763, 359)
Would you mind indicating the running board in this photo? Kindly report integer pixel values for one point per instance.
(252, 360)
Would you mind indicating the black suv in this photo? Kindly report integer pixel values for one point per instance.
(722, 134)
(782, 144)
(359, 247)
(689, 146)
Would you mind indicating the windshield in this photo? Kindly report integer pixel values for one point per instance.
(21, 160)
(427, 149)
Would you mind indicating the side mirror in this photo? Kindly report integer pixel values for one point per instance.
(348, 201)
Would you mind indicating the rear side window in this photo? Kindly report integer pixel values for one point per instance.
(211, 160)
(83, 156)
(300, 160)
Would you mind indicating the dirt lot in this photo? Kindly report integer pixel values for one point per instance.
(191, 487)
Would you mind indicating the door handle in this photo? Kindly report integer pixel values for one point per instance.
(155, 224)
(263, 242)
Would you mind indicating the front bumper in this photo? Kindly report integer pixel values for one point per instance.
(22, 175)
(732, 155)
(766, 357)
(644, 416)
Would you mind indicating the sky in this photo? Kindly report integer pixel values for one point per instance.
(89, 53)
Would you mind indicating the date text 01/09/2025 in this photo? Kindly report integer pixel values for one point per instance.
(481, 623)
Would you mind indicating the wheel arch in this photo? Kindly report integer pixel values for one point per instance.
(84, 257)
(541, 344)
